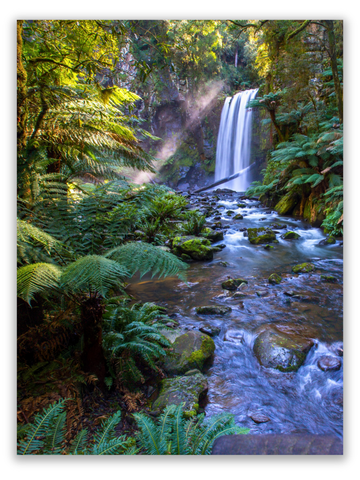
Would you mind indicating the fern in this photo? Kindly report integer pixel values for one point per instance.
(37, 278)
(174, 435)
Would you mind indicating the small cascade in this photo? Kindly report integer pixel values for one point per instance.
(234, 141)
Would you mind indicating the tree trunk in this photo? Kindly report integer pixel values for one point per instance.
(93, 355)
(333, 59)
(21, 92)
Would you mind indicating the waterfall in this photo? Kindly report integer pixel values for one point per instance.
(234, 141)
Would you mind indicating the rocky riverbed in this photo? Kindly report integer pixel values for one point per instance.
(267, 291)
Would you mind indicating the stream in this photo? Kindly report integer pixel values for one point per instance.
(306, 401)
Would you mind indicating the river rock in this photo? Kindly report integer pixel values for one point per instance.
(233, 283)
(212, 235)
(268, 247)
(260, 235)
(327, 363)
(274, 279)
(290, 235)
(188, 389)
(327, 241)
(303, 268)
(328, 278)
(259, 418)
(213, 310)
(284, 352)
(190, 350)
(195, 247)
(238, 216)
(210, 330)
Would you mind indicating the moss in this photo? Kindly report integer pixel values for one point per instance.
(197, 248)
(233, 283)
(238, 216)
(290, 235)
(286, 205)
(260, 235)
(328, 278)
(303, 268)
(274, 279)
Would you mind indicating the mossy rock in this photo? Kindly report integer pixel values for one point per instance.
(212, 235)
(328, 241)
(213, 310)
(190, 350)
(328, 278)
(274, 279)
(238, 216)
(189, 389)
(280, 351)
(195, 247)
(260, 235)
(224, 264)
(268, 247)
(233, 283)
(229, 212)
(241, 205)
(290, 236)
(303, 268)
(286, 205)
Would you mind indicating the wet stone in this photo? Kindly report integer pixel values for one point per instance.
(303, 268)
(259, 418)
(328, 278)
(210, 330)
(212, 310)
(274, 279)
(290, 236)
(233, 283)
(329, 363)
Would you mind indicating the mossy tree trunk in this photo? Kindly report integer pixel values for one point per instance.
(21, 92)
(333, 60)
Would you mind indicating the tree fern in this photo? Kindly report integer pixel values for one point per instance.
(143, 258)
(37, 278)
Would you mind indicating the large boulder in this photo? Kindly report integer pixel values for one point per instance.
(190, 350)
(284, 351)
(195, 247)
(260, 235)
(290, 235)
(189, 389)
(286, 204)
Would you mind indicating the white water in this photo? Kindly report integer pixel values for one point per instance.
(234, 141)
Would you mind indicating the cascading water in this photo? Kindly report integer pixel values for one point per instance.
(234, 141)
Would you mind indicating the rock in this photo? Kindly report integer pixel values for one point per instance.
(290, 235)
(210, 330)
(241, 205)
(224, 264)
(260, 235)
(262, 293)
(274, 279)
(328, 278)
(186, 258)
(274, 444)
(233, 283)
(268, 247)
(229, 212)
(190, 350)
(337, 348)
(259, 418)
(213, 310)
(189, 389)
(327, 363)
(194, 247)
(238, 216)
(212, 235)
(327, 241)
(303, 268)
(278, 226)
(281, 351)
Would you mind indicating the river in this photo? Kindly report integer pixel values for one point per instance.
(306, 401)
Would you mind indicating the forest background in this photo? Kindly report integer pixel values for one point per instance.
(200, 11)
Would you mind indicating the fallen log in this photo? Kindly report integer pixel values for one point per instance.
(227, 179)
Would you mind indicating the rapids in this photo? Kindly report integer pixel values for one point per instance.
(306, 401)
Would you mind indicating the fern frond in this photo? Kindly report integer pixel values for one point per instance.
(37, 278)
(143, 258)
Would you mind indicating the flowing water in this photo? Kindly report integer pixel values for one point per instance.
(234, 140)
(306, 401)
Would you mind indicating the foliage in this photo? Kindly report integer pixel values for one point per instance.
(46, 436)
(132, 338)
(173, 435)
(194, 224)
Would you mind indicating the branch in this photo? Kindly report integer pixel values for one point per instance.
(298, 30)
